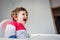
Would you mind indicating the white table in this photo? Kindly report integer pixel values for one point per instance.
(38, 37)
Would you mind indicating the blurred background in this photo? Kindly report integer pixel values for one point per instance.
(44, 16)
(41, 14)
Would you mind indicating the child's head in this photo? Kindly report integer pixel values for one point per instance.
(20, 15)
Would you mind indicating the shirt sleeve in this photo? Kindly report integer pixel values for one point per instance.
(10, 31)
(22, 34)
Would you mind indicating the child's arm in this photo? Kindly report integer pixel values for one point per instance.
(10, 31)
(22, 34)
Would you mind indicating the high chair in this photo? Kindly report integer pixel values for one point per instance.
(2, 27)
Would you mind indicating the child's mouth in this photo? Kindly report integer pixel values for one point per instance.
(24, 19)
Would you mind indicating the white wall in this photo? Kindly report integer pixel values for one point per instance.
(40, 16)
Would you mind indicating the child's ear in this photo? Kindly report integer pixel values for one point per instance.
(15, 17)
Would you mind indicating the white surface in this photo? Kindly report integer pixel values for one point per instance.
(38, 37)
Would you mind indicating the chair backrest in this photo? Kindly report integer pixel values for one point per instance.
(2, 27)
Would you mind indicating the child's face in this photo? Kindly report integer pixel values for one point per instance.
(22, 17)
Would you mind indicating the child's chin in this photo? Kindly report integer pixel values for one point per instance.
(24, 22)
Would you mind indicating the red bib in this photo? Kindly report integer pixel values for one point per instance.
(17, 25)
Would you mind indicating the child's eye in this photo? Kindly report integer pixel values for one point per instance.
(26, 14)
(23, 14)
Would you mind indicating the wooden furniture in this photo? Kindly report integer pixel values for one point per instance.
(56, 14)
